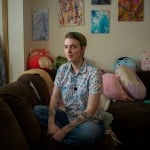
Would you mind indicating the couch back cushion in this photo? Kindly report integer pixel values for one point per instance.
(145, 78)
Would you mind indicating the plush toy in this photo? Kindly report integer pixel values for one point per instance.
(131, 83)
(59, 60)
(126, 61)
(145, 62)
(40, 58)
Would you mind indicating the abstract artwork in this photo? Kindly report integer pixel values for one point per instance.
(130, 10)
(40, 24)
(71, 13)
(100, 21)
(100, 2)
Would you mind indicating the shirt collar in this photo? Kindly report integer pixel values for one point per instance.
(83, 68)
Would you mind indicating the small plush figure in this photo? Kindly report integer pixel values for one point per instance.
(145, 62)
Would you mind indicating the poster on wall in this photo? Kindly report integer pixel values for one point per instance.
(40, 24)
(71, 13)
(100, 21)
(100, 2)
(130, 10)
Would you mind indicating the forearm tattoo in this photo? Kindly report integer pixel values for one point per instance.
(52, 112)
(78, 120)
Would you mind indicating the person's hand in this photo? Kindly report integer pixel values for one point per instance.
(59, 135)
(52, 128)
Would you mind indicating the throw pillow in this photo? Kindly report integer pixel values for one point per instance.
(112, 88)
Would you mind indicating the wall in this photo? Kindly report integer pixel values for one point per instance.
(124, 39)
(16, 38)
(27, 12)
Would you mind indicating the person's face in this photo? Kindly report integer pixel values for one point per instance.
(72, 50)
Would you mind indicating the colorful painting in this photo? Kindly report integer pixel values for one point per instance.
(71, 13)
(100, 2)
(100, 21)
(40, 24)
(130, 10)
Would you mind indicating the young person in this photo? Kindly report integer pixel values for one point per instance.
(79, 84)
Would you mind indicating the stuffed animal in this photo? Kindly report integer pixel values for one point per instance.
(126, 61)
(131, 83)
(40, 58)
(145, 62)
(59, 60)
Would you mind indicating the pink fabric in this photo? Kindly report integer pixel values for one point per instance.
(112, 87)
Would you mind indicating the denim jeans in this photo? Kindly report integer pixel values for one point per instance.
(86, 133)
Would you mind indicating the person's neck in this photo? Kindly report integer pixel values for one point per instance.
(77, 65)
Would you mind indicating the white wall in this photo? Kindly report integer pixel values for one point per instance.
(16, 38)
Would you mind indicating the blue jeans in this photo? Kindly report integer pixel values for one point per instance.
(86, 133)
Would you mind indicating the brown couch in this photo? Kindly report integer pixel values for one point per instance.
(21, 130)
(19, 98)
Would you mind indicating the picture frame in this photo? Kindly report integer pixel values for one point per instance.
(100, 21)
(100, 2)
(71, 13)
(130, 10)
(40, 24)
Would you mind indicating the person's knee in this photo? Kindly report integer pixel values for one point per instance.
(40, 108)
(90, 132)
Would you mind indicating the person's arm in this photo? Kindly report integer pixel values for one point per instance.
(92, 107)
(52, 127)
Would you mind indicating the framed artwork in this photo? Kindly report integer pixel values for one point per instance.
(130, 10)
(40, 24)
(71, 13)
(100, 2)
(100, 21)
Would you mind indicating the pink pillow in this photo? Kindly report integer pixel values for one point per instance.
(112, 88)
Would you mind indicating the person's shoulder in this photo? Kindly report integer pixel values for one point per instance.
(91, 65)
(64, 66)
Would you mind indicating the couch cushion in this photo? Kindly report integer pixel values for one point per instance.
(11, 135)
(21, 98)
(40, 85)
(26, 118)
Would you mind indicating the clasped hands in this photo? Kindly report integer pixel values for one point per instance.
(55, 132)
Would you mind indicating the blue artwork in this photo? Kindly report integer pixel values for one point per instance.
(40, 24)
(100, 21)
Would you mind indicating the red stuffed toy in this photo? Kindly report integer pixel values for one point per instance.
(40, 58)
